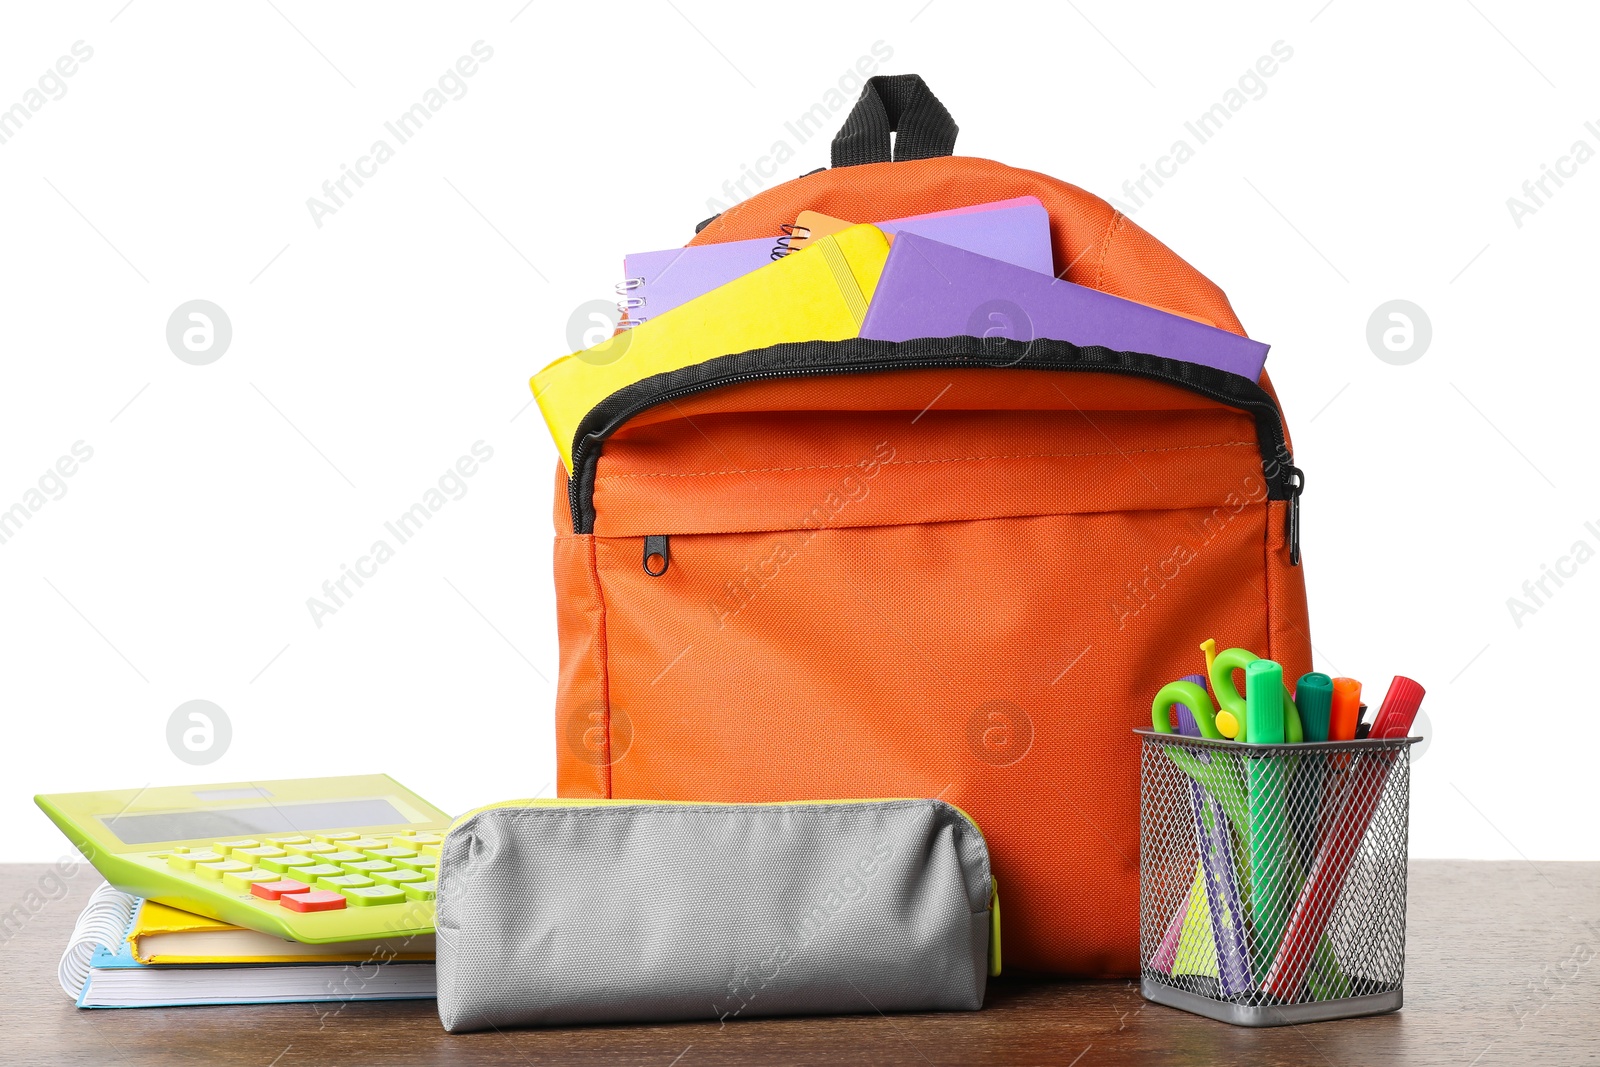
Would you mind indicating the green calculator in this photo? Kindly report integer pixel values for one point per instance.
(309, 859)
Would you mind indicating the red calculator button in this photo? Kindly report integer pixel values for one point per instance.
(274, 890)
(312, 900)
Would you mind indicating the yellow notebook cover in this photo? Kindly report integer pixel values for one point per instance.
(164, 935)
(818, 294)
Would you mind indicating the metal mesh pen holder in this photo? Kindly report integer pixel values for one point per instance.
(1272, 878)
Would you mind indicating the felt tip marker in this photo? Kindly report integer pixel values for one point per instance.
(1263, 687)
(1345, 711)
(1314, 694)
(1399, 708)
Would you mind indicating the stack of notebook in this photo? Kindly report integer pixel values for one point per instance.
(132, 953)
(984, 271)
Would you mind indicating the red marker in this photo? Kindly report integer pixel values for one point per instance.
(1399, 710)
(1340, 840)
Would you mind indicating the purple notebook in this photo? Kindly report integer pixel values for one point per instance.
(930, 289)
(657, 282)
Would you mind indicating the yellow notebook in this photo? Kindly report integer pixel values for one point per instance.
(819, 294)
(812, 226)
(160, 934)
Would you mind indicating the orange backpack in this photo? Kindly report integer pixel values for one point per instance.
(955, 567)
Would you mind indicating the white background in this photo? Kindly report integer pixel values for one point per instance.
(371, 352)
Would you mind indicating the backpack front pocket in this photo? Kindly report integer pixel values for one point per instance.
(958, 599)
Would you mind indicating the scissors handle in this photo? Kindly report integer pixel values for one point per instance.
(1190, 696)
(1232, 704)
(1231, 717)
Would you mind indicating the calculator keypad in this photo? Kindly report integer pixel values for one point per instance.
(284, 864)
(374, 895)
(312, 900)
(317, 872)
(214, 871)
(255, 853)
(241, 881)
(276, 890)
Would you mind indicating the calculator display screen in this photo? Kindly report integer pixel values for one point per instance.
(221, 823)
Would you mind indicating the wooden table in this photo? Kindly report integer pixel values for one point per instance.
(1502, 968)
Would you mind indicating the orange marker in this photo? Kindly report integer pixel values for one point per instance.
(1346, 710)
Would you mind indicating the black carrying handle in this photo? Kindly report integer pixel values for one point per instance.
(895, 103)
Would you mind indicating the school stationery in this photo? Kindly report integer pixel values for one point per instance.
(164, 935)
(1187, 698)
(811, 225)
(1313, 695)
(176, 987)
(309, 859)
(1348, 952)
(571, 912)
(100, 969)
(1166, 956)
(1015, 231)
(1399, 709)
(1269, 830)
(819, 293)
(1344, 830)
(930, 289)
(1161, 712)
(1224, 909)
(1193, 705)
(656, 282)
(1231, 720)
(1308, 814)
(1195, 952)
(1220, 666)
(1344, 710)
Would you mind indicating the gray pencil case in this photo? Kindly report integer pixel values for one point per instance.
(565, 912)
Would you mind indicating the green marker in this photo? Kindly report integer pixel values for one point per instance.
(1232, 718)
(1270, 868)
(1314, 695)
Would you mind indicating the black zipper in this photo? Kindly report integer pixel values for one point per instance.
(859, 356)
(657, 555)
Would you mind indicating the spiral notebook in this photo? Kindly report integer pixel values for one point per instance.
(98, 969)
(819, 294)
(1015, 231)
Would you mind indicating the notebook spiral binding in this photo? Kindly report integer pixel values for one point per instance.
(103, 921)
(626, 306)
(790, 232)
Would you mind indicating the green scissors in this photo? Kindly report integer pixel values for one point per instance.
(1191, 696)
(1231, 719)
(1219, 776)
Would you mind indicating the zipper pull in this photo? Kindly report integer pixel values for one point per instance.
(657, 555)
(1296, 487)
